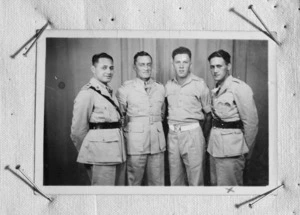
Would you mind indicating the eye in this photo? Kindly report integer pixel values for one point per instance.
(104, 67)
(111, 68)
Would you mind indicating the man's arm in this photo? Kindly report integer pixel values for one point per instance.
(248, 113)
(122, 99)
(83, 108)
(205, 100)
(207, 125)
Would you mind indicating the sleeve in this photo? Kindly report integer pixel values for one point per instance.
(122, 99)
(205, 98)
(163, 107)
(83, 107)
(248, 113)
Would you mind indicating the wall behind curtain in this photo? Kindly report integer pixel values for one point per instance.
(68, 64)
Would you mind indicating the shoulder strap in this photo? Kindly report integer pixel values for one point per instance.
(108, 99)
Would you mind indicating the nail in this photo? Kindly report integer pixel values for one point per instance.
(37, 37)
(258, 17)
(18, 167)
(265, 194)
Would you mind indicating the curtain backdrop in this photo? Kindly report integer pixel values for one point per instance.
(68, 63)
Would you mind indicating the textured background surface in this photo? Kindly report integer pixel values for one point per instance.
(19, 19)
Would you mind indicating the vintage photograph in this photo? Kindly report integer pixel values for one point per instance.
(155, 112)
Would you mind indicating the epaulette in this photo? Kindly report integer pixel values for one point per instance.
(236, 80)
(87, 86)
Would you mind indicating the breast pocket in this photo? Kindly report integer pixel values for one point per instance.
(224, 105)
(100, 113)
(103, 146)
(172, 99)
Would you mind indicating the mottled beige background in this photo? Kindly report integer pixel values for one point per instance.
(20, 18)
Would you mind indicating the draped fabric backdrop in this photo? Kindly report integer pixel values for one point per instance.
(68, 63)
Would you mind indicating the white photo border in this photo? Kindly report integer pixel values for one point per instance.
(166, 190)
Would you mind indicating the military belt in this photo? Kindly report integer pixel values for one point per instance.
(222, 124)
(105, 125)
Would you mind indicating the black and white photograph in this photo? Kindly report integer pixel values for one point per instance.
(174, 112)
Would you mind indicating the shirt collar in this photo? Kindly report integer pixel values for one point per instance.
(224, 86)
(100, 86)
(188, 80)
(140, 81)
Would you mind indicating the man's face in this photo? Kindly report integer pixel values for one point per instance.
(219, 69)
(103, 70)
(182, 64)
(143, 67)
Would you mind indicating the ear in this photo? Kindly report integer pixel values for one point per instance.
(93, 69)
(229, 66)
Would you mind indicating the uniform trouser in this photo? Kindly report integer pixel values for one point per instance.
(186, 152)
(149, 167)
(227, 171)
(109, 175)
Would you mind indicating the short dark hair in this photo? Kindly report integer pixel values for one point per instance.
(140, 54)
(182, 50)
(96, 57)
(221, 53)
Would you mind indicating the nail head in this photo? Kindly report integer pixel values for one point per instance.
(250, 6)
(18, 166)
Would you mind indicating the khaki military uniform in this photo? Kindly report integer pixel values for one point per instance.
(102, 148)
(232, 102)
(145, 140)
(186, 143)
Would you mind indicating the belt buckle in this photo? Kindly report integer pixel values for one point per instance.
(177, 128)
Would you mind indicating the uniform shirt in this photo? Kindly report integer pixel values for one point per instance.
(186, 102)
(233, 101)
(96, 146)
(144, 110)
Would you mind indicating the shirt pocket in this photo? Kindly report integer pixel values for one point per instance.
(190, 100)
(233, 142)
(100, 114)
(172, 99)
(103, 146)
(224, 104)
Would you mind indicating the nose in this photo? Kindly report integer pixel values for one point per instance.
(215, 70)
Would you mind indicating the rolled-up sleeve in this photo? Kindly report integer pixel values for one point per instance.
(83, 107)
(248, 113)
(205, 98)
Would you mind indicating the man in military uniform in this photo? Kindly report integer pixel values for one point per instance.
(188, 100)
(235, 123)
(96, 128)
(142, 101)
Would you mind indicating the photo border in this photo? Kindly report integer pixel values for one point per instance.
(165, 190)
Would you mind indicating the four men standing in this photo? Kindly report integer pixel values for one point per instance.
(96, 128)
